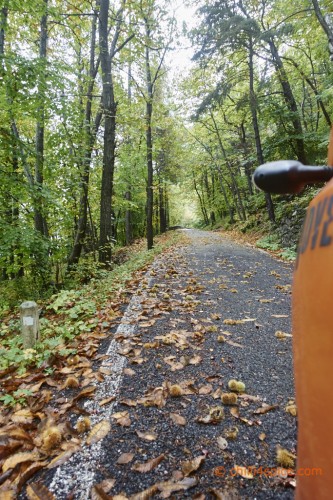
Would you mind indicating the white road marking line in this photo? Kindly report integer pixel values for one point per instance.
(78, 473)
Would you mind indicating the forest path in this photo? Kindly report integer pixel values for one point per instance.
(205, 313)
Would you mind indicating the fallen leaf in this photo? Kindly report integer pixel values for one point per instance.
(177, 419)
(147, 436)
(145, 494)
(205, 389)
(148, 466)
(128, 402)
(98, 432)
(265, 409)
(125, 458)
(63, 457)
(129, 371)
(19, 458)
(106, 400)
(23, 416)
(195, 360)
(122, 418)
(169, 487)
(282, 335)
(234, 344)
(192, 465)
(235, 413)
(37, 491)
(105, 371)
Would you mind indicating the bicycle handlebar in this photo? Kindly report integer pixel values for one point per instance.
(289, 176)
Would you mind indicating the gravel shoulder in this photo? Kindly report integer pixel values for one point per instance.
(204, 314)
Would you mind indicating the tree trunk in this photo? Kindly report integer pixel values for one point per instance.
(255, 124)
(89, 133)
(109, 109)
(327, 27)
(149, 144)
(288, 95)
(39, 215)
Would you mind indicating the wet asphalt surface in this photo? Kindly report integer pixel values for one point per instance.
(189, 334)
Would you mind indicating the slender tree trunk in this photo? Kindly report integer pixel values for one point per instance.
(149, 144)
(291, 103)
(39, 209)
(234, 186)
(89, 132)
(128, 221)
(327, 27)
(202, 205)
(255, 124)
(162, 208)
(109, 108)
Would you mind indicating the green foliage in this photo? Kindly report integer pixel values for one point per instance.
(269, 242)
(17, 397)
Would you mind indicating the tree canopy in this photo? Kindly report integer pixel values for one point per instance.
(102, 143)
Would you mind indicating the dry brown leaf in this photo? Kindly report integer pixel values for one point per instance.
(37, 491)
(85, 393)
(146, 494)
(7, 492)
(234, 344)
(125, 458)
(63, 457)
(24, 416)
(129, 371)
(265, 409)
(98, 432)
(107, 484)
(262, 436)
(19, 458)
(169, 487)
(148, 466)
(17, 433)
(195, 360)
(205, 389)
(235, 413)
(105, 371)
(122, 418)
(265, 301)
(177, 419)
(27, 474)
(192, 465)
(147, 436)
(128, 402)
(106, 400)
(98, 493)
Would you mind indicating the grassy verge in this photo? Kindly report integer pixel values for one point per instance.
(79, 310)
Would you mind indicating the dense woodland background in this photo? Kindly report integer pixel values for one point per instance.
(103, 143)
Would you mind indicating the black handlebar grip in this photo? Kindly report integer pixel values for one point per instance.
(289, 176)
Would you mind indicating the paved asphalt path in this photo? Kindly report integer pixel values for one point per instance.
(204, 314)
